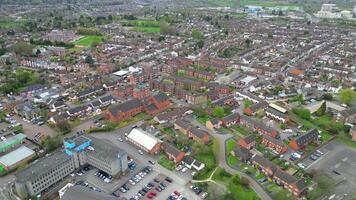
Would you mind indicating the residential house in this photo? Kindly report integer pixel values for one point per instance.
(274, 144)
(157, 103)
(124, 110)
(303, 140)
(275, 114)
(262, 129)
(254, 108)
(353, 133)
(231, 120)
(78, 111)
(171, 115)
(289, 182)
(172, 152)
(213, 124)
(192, 163)
(248, 142)
(199, 135)
(243, 154)
(27, 110)
(249, 96)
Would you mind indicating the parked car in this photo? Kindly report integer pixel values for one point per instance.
(301, 165)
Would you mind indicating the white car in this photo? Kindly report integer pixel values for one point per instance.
(296, 155)
(184, 169)
(140, 152)
(318, 151)
(120, 139)
(301, 165)
(179, 167)
(132, 182)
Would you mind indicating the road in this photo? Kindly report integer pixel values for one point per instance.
(222, 138)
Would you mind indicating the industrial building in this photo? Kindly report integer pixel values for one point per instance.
(43, 174)
(16, 157)
(78, 151)
(144, 141)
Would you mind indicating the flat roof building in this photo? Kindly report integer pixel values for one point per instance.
(16, 157)
(144, 140)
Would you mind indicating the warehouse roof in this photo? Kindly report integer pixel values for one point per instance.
(16, 156)
(143, 138)
(80, 192)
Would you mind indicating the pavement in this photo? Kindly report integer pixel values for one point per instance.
(341, 158)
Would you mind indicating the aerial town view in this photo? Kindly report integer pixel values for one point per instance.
(178, 99)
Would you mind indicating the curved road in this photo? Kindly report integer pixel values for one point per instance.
(223, 164)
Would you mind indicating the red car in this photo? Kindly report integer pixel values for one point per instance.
(176, 193)
(149, 196)
(153, 193)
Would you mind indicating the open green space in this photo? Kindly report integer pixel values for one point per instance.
(206, 154)
(237, 187)
(165, 162)
(146, 26)
(263, 3)
(230, 145)
(88, 40)
(147, 29)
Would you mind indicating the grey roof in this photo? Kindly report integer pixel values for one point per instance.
(79, 192)
(198, 132)
(250, 138)
(86, 92)
(124, 107)
(242, 153)
(104, 150)
(231, 117)
(77, 109)
(15, 156)
(258, 106)
(263, 162)
(188, 160)
(273, 140)
(161, 97)
(308, 137)
(42, 166)
(170, 149)
(276, 112)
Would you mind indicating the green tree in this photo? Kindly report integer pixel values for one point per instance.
(89, 60)
(218, 112)
(321, 111)
(166, 29)
(22, 48)
(347, 96)
(64, 127)
(302, 113)
(51, 143)
(247, 103)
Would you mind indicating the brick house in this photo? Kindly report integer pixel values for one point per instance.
(265, 130)
(140, 92)
(248, 142)
(199, 135)
(172, 152)
(289, 182)
(303, 140)
(244, 155)
(274, 144)
(182, 125)
(253, 109)
(282, 117)
(157, 103)
(231, 119)
(213, 124)
(124, 110)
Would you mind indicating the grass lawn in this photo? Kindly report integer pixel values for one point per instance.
(147, 29)
(325, 136)
(86, 41)
(232, 160)
(237, 189)
(346, 139)
(230, 145)
(207, 155)
(203, 119)
(165, 162)
(132, 120)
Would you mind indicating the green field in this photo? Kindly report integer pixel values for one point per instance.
(165, 162)
(147, 29)
(233, 3)
(86, 41)
(145, 26)
(11, 24)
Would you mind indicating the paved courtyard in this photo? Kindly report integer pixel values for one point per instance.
(342, 159)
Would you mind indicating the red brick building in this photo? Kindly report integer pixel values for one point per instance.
(248, 142)
(124, 110)
(274, 144)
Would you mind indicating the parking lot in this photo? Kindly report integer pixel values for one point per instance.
(339, 163)
(180, 180)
